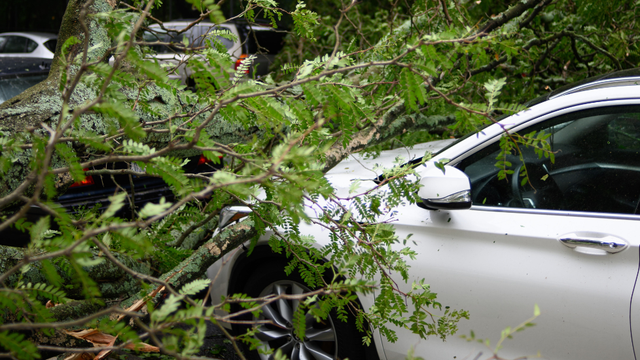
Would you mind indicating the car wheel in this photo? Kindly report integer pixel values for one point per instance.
(324, 340)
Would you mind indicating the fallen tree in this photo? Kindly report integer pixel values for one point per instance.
(434, 71)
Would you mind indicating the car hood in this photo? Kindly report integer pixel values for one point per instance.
(360, 167)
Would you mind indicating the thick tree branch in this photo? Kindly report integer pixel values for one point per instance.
(393, 123)
(512, 13)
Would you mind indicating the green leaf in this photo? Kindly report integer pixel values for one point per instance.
(40, 228)
(126, 117)
(151, 209)
(20, 348)
(195, 286)
(51, 273)
(493, 87)
(170, 305)
(151, 69)
(116, 203)
(69, 155)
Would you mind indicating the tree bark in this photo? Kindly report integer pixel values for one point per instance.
(192, 268)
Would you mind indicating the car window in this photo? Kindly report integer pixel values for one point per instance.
(15, 44)
(596, 167)
(261, 40)
(164, 37)
(51, 45)
(624, 133)
(31, 45)
(206, 36)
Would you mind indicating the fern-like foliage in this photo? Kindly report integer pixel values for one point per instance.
(50, 292)
(493, 88)
(19, 348)
(195, 286)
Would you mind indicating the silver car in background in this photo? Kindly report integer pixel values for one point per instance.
(175, 41)
(28, 44)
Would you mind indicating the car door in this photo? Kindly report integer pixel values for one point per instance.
(566, 240)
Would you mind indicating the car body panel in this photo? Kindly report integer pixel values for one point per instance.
(566, 284)
(361, 167)
(498, 264)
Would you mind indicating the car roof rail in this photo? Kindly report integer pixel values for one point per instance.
(600, 84)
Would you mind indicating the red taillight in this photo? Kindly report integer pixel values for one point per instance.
(87, 181)
(203, 160)
(242, 57)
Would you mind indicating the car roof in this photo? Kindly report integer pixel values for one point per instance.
(23, 66)
(41, 36)
(613, 79)
(614, 91)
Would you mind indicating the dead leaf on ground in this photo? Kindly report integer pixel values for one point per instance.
(100, 339)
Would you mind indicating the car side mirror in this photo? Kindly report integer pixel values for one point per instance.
(230, 214)
(444, 189)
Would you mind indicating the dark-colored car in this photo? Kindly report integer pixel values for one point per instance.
(18, 74)
(95, 191)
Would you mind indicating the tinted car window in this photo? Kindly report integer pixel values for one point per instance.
(596, 168)
(15, 44)
(261, 41)
(31, 45)
(19, 73)
(51, 45)
(623, 133)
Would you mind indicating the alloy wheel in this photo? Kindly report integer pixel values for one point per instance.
(319, 341)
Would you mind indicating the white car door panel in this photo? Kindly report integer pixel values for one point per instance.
(497, 265)
(565, 239)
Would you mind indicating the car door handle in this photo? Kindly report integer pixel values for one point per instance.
(607, 243)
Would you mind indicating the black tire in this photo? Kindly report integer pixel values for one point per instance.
(324, 340)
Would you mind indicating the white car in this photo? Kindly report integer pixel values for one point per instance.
(28, 44)
(497, 248)
(261, 41)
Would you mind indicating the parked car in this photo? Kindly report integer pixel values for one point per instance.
(262, 41)
(31, 44)
(20, 73)
(95, 191)
(567, 240)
